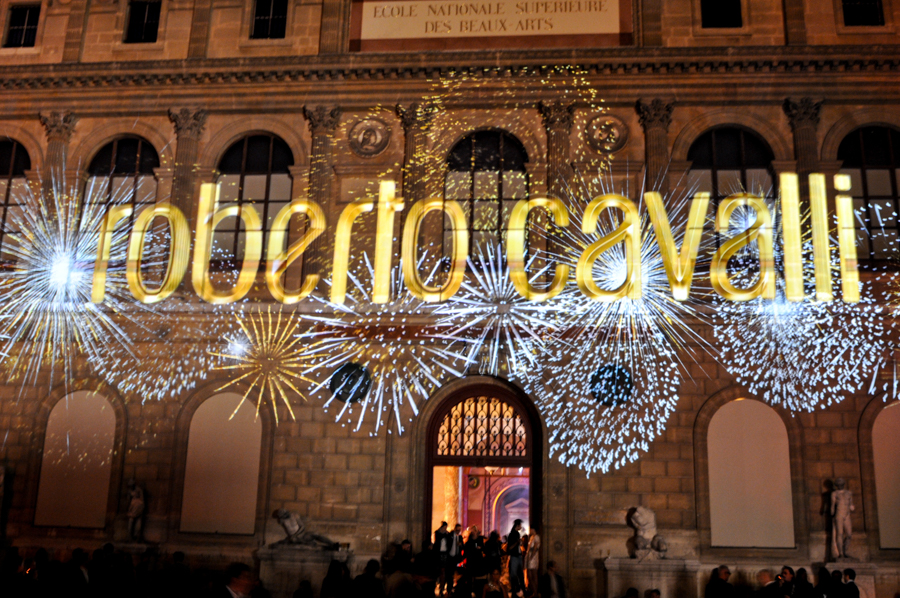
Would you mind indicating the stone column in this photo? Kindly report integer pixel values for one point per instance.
(416, 120)
(558, 119)
(59, 127)
(655, 117)
(323, 122)
(189, 123)
(804, 118)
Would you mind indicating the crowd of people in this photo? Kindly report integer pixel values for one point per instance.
(466, 564)
(786, 584)
(109, 573)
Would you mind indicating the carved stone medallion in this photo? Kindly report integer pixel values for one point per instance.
(369, 137)
(606, 134)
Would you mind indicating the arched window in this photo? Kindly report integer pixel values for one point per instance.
(486, 174)
(750, 497)
(123, 172)
(484, 461)
(871, 156)
(221, 478)
(885, 432)
(254, 171)
(76, 464)
(14, 161)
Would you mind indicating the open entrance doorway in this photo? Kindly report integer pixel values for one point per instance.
(484, 467)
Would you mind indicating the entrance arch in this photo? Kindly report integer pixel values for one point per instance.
(484, 446)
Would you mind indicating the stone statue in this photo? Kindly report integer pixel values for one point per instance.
(841, 524)
(135, 512)
(648, 545)
(296, 532)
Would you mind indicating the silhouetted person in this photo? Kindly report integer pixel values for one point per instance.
(823, 584)
(337, 581)
(851, 590)
(493, 588)
(718, 586)
(239, 582)
(492, 551)
(368, 583)
(802, 587)
(516, 565)
(837, 584)
(552, 585)
(426, 569)
(786, 582)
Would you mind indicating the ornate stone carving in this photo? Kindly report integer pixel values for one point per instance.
(656, 114)
(322, 119)
(188, 121)
(804, 113)
(606, 134)
(416, 116)
(59, 125)
(557, 116)
(369, 137)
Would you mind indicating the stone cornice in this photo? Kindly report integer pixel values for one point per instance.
(482, 65)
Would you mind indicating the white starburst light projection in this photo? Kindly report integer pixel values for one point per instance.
(614, 367)
(375, 360)
(268, 356)
(47, 318)
(502, 332)
(802, 355)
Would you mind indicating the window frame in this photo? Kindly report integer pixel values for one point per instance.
(841, 29)
(10, 176)
(700, 31)
(39, 27)
(716, 196)
(138, 206)
(252, 18)
(127, 25)
(894, 170)
(231, 263)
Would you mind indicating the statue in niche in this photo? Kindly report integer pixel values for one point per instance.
(648, 544)
(135, 512)
(841, 524)
(296, 532)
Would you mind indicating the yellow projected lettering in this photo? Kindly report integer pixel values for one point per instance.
(515, 251)
(790, 214)
(278, 260)
(409, 254)
(629, 232)
(179, 252)
(846, 240)
(208, 218)
(101, 264)
(679, 266)
(761, 232)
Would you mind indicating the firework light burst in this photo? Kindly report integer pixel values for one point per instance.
(376, 359)
(815, 353)
(614, 367)
(503, 332)
(267, 356)
(47, 318)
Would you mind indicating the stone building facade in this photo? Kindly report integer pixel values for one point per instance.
(792, 73)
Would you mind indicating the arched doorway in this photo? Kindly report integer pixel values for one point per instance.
(484, 461)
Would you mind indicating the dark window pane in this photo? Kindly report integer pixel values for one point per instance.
(250, 165)
(863, 13)
(727, 147)
(258, 148)
(460, 158)
(269, 19)
(149, 160)
(101, 165)
(870, 157)
(143, 22)
(716, 14)
(22, 29)
(127, 156)
(14, 160)
(487, 151)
